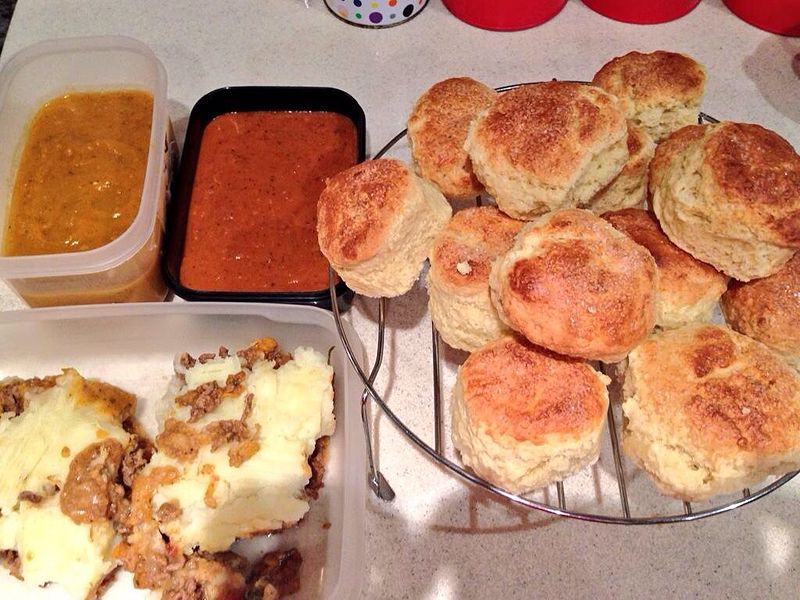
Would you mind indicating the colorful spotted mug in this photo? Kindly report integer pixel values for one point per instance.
(376, 13)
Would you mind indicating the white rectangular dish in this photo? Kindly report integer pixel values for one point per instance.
(133, 346)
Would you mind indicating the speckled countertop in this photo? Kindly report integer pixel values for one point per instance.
(441, 538)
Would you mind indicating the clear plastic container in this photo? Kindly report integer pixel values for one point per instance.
(127, 268)
(133, 346)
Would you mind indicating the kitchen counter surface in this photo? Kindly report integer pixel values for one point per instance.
(441, 538)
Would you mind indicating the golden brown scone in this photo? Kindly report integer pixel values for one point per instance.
(545, 146)
(437, 129)
(709, 411)
(376, 223)
(661, 91)
(731, 198)
(629, 188)
(458, 278)
(574, 284)
(524, 417)
(667, 149)
(769, 310)
(688, 290)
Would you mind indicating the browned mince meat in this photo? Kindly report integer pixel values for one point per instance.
(226, 431)
(31, 497)
(169, 511)
(206, 397)
(317, 462)
(239, 453)
(205, 357)
(101, 586)
(263, 349)
(207, 577)
(275, 575)
(248, 408)
(137, 456)
(10, 560)
(12, 392)
(91, 491)
(180, 440)
(121, 402)
(144, 551)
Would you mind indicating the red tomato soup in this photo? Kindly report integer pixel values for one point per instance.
(252, 222)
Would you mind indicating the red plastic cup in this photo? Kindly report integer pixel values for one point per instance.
(776, 16)
(505, 15)
(639, 11)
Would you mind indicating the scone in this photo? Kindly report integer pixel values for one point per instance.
(730, 197)
(629, 188)
(575, 285)
(458, 278)
(524, 417)
(437, 129)
(769, 310)
(688, 290)
(661, 91)
(675, 143)
(546, 146)
(376, 223)
(709, 411)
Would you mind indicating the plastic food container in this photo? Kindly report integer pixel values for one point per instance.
(776, 16)
(636, 11)
(505, 15)
(133, 346)
(127, 268)
(270, 229)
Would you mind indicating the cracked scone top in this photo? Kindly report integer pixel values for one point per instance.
(524, 417)
(709, 411)
(729, 194)
(577, 286)
(437, 128)
(544, 146)
(458, 278)
(661, 91)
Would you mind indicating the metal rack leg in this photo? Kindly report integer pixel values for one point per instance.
(623, 492)
(437, 394)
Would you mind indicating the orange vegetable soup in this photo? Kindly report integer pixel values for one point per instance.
(80, 178)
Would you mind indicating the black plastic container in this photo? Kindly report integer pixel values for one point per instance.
(248, 99)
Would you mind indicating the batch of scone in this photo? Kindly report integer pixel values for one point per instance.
(570, 283)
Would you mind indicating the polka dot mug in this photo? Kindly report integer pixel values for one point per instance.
(376, 13)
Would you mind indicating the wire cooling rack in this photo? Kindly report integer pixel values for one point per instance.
(636, 502)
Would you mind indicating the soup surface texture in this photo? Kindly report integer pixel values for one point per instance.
(252, 223)
(79, 181)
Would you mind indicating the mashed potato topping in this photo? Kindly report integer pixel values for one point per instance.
(234, 487)
(239, 441)
(46, 432)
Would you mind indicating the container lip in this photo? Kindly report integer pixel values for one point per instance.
(132, 239)
(317, 298)
(229, 99)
